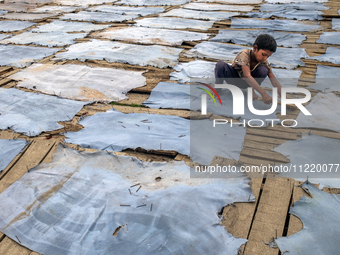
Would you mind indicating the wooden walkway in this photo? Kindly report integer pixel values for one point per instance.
(258, 221)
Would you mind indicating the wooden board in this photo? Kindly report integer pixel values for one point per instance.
(270, 216)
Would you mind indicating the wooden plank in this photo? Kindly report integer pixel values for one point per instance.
(9, 247)
(270, 216)
(32, 157)
(13, 162)
(272, 133)
(237, 218)
(295, 224)
(265, 154)
(5, 81)
(256, 138)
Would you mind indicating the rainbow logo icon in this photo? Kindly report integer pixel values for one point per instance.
(209, 93)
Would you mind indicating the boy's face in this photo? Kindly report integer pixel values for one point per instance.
(261, 55)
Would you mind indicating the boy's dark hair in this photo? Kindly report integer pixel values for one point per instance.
(265, 42)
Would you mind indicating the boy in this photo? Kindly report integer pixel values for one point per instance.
(252, 66)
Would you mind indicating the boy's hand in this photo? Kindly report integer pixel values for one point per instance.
(267, 99)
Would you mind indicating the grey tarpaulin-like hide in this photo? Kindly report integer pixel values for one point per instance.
(49, 39)
(83, 3)
(80, 204)
(165, 96)
(17, 7)
(283, 57)
(169, 95)
(33, 113)
(336, 24)
(217, 7)
(175, 23)
(184, 13)
(141, 11)
(200, 69)
(295, 1)
(80, 81)
(320, 218)
(153, 2)
(231, 1)
(158, 132)
(193, 70)
(332, 55)
(9, 149)
(98, 16)
(327, 79)
(329, 38)
(247, 37)
(22, 56)
(285, 25)
(10, 26)
(67, 26)
(313, 157)
(4, 36)
(288, 14)
(54, 9)
(150, 35)
(293, 6)
(27, 16)
(152, 55)
(325, 110)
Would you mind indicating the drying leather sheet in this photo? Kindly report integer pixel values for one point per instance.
(320, 218)
(217, 7)
(283, 57)
(141, 11)
(50, 39)
(336, 24)
(198, 69)
(54, 9)
(332, 55)
(80, 203)
(150, 132)
(83, 3)
(67, 26)
(10, 26)
(175, 23)
(9, 149)
(288, 14)
(248, 37)
(150, 35)
(80, 82)
(314, 154)
(98, 16)
(231, 1)
(27, 16)
(153, 2)
(22, 56)
(4, 36)
(192, 14)
(327, 79)
(33, 113)
(295, 1)
(325, 110)
(329, 38)
(153, 55)
(285, 25)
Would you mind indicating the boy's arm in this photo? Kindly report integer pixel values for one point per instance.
(275, 82)
(252, 82)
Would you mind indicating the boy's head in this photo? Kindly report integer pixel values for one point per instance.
(263, 47)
